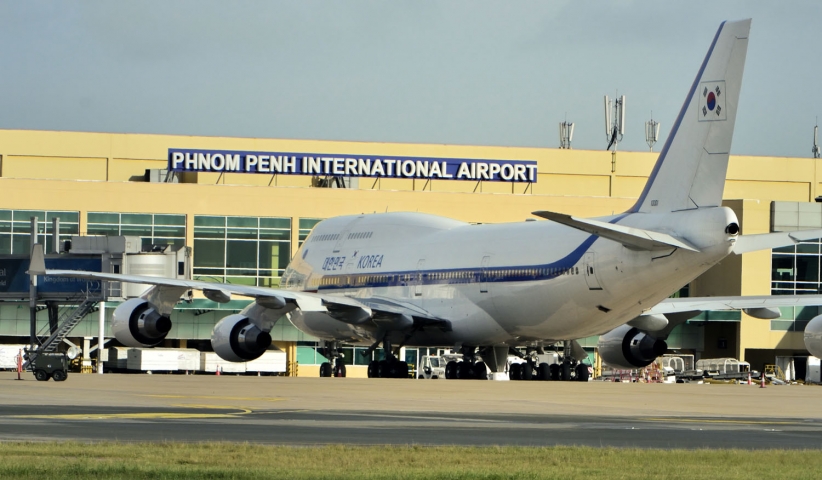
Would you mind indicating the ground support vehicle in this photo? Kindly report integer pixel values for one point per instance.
(432, 367)
(50, 365)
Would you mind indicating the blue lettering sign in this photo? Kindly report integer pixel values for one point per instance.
(324, 164)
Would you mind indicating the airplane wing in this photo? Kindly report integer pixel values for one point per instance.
(219, 292)
(389, 313)
(661, 319)
(629, 236)
(697, 304)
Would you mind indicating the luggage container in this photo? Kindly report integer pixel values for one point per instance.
(209, 361)
(272, 361)
(117, 359)
(814, 372)
(162, 359)
(8, 356)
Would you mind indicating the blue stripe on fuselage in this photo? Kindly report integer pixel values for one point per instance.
(453, 276)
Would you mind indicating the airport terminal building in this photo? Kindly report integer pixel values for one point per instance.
(245, 220)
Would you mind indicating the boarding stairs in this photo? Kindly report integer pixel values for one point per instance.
(70, 317)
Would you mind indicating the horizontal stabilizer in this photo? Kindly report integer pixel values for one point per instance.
(752, 243)
(628, 236)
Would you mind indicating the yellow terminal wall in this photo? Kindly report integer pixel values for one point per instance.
(105, 172)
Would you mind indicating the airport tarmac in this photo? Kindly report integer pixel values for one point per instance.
(305, 411)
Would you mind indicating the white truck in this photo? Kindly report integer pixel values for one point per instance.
(432, 367)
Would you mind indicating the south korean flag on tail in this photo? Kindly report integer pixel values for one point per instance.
(712, 101)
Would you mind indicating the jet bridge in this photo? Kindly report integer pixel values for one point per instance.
(70, 300)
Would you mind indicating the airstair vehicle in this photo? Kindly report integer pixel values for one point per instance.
(51, 336)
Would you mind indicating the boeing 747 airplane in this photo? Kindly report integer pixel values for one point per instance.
(398, 279)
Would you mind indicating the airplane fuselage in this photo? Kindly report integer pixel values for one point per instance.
(513, 283)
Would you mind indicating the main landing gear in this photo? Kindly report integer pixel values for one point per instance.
(391, 367)
(568, 370)
(336, 367)
(533, 368)
(468, 369)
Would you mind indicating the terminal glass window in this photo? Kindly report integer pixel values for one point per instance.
(15, 229)
(153, 229)
(795, 269)
(241, 250)
(794, 319)
(306, 225)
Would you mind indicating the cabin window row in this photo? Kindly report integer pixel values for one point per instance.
(355, 280)
(325, 238)
(359, 235)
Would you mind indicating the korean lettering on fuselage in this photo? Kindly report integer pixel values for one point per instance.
(331, 264)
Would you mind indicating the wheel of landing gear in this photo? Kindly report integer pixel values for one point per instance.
(544, 371)
(555, 371)
(464, 370)
(565, 371)
(527, 372)
(480, 371)
(325, 369)
(383, 369)
(400, 370)
(582, 372)
(41, 375)
(339, 370)
(515, 371)
(372, 369)
(451, 370)
(59, 376)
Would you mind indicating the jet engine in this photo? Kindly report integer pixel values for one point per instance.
(236, 339)
(137, 323)
(813, 336)
(628, 347)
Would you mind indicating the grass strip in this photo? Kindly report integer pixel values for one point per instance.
(70, 460)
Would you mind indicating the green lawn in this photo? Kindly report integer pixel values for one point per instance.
(240, 461)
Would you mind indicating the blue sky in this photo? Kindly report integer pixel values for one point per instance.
(472, 72)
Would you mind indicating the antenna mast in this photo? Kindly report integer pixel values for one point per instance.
(566, 134)
(651, 132)
(614, 125)
(815, 148)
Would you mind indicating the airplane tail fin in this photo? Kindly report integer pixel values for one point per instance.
(691, 168)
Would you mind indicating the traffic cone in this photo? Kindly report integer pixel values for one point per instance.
(762, 380)
(749, 379)
(217, 372)
(19, 364)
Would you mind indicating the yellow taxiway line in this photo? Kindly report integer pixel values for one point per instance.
(148, 415)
